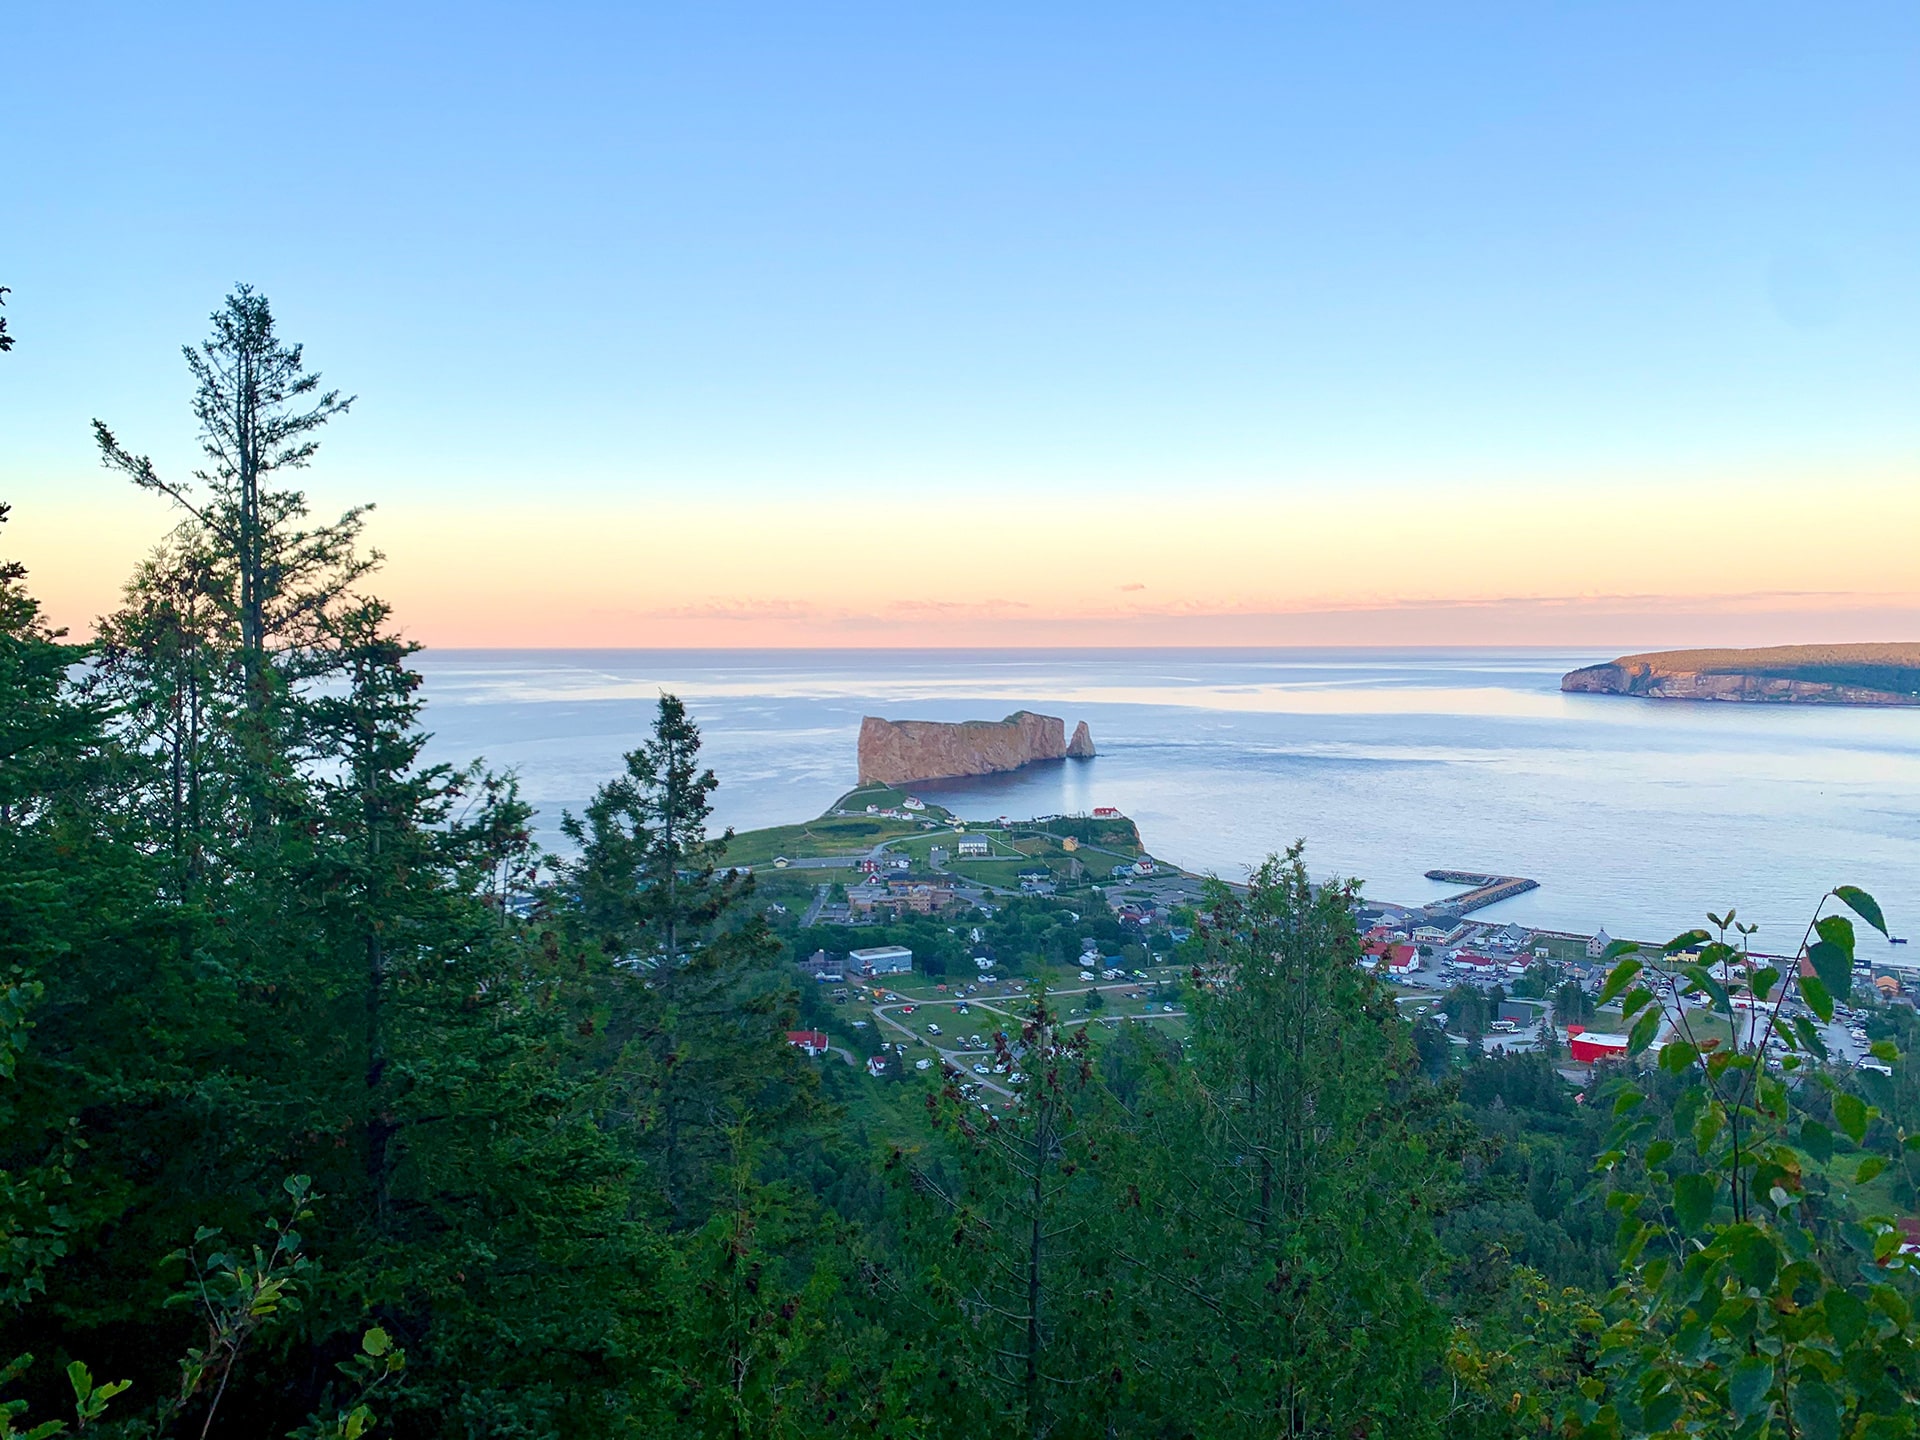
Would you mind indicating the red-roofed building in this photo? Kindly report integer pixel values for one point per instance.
(1396, 959)
(1479, 964)
(1588, 1046)
(811, 1041)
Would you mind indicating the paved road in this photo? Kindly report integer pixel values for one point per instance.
(813, 910)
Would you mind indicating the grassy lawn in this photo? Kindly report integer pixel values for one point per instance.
(886, 798)
(1561, 951)
(851, 836)
(991, 872)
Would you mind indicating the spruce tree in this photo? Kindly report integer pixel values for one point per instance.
(259, 410)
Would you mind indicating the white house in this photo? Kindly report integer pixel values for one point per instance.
(1597, 946)
(965, 845)
(912, 804)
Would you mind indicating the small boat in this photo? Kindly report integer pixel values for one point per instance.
(1896, 939)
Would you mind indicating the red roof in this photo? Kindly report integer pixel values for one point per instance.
(1396, 956)
(1588, 1046)
(812, 1041)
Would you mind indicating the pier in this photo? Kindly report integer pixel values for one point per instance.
(1482, 891)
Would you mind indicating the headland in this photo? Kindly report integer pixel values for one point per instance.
(1887, 674)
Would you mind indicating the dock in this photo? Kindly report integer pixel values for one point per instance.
(1482, 891)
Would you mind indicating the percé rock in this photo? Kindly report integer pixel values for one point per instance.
(1081, 746)
(1797, 674)
(897, 752)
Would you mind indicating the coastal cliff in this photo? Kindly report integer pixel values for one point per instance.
(1777, 674)
(895, 752)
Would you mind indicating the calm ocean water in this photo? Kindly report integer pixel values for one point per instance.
(1633, 815)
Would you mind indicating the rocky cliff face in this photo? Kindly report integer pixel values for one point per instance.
(896, 752)
(1803, 674)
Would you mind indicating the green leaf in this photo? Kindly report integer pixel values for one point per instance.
(1817, 1140)
(1748, 1384)
(1836, 930)
(1817, 1409)
(1814, 991)
(376, 1341)
(1707, 1128)
(1870, 1166)
(1752, 1254)
(1644, 1030)
(1862, 904)
(1693, 1200)
(1808, 1036)
(1851, 1112)
(1636, 997)
(1678, 1056)
(1884, 1051)
(1762, 981)
(1888, 1301)
(1687, 941)
(1704, 983)
(1846, 1317)
(1619, 978)
(1834, 966)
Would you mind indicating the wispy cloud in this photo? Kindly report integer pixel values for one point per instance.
(747, 611)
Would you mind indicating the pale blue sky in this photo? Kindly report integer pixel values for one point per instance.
(620, 250)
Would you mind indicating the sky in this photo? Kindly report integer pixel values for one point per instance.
(923, 325)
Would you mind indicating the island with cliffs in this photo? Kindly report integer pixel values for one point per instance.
(1876, 674)
(896, 752)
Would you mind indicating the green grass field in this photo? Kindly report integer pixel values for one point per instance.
(886, 798)
(851, 836)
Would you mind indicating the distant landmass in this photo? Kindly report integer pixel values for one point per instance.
(1775, 674)
(897, 752)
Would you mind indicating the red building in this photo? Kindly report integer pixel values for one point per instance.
(1588, 1046)
(811, 1041)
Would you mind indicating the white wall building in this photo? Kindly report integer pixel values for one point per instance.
(882, 960)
